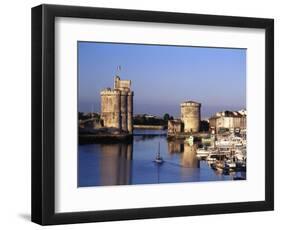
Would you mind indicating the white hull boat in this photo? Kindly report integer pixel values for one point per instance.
(202, 153)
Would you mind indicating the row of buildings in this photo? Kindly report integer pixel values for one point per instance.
(117, 113)
(229, 120)
(190, 119)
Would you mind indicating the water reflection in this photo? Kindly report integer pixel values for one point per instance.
(133, 163)
(175, 146)
(189, 158)
(115, 164)
(187, 152)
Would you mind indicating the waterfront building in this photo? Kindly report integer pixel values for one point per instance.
(92, 123)
(175, 126)
(229, 120)
(117, 106)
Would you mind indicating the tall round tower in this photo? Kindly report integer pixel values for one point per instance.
(191, 116)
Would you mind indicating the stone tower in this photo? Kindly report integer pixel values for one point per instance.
(117, 106)
(191, 116)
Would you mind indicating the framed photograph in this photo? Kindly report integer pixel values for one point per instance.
(142, 114)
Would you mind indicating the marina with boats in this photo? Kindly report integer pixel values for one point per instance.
(226, 154)
(152, 158)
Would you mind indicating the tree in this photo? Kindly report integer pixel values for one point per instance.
(166, 117)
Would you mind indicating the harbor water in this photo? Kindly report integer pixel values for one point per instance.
(133, 163)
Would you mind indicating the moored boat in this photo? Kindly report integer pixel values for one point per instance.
(202, 153)
(241, 166)
(224, 166)
(230, 164)
(212, 157)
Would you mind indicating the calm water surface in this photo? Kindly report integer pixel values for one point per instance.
(123, 163)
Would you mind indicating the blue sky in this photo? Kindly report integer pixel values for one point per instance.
(164, 76)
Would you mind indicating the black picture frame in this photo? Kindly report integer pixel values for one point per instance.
(43, 110)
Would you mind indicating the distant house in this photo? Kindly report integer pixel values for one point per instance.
(93, 123)
(175, 126)
(229, 120)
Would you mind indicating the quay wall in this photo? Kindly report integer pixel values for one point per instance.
(158, 127)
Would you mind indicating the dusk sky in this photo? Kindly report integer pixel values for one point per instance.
(164, 76)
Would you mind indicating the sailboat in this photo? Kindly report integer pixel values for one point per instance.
(158, 158)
